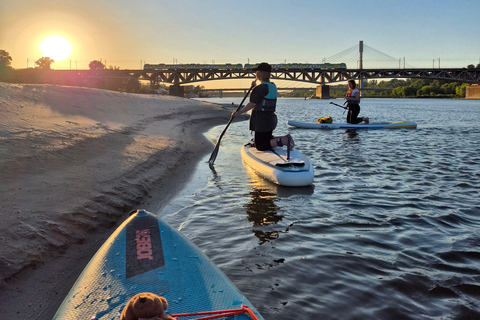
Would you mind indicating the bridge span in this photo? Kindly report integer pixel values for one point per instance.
(316, 76)
(312, 76)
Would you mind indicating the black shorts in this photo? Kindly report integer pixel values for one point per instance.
(352, 115)
(262, 140)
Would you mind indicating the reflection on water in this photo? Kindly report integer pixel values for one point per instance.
(261, 208)
(351, 133)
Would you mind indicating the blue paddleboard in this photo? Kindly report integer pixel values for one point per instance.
(147, 255)
(373, 125)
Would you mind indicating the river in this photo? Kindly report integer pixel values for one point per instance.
(389, 229)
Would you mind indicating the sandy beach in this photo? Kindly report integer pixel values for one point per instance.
(73, 163)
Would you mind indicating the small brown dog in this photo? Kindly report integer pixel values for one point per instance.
(146, 306)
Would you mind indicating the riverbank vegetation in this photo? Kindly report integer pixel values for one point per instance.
(99, 76)
(397, 88)
(411, 88)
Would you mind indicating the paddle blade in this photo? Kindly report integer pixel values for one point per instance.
(213, 156)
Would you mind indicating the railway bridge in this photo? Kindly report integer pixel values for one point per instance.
(319, 74)
(177, 77)
(320, 77)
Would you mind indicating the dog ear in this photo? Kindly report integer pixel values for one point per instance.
(164, 303)
(127, 313)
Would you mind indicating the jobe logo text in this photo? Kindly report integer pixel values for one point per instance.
(144, 245)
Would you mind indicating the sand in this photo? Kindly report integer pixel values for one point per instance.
(73, 163)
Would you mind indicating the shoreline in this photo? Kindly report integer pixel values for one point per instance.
(74, 162)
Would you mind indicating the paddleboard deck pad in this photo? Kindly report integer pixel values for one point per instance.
(274, 165)
(377, 125)
(145, 254)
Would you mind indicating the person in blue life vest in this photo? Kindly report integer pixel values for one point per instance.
(263, 120)
(353, 99)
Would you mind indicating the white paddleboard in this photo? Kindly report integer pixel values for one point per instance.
(273, 165)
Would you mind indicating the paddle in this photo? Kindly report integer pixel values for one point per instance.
(213, 156)
(343, 107)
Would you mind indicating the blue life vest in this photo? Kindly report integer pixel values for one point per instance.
(269, 102)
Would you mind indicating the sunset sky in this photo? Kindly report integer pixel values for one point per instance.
(127, 33)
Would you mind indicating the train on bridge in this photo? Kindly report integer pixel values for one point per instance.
(247, 66)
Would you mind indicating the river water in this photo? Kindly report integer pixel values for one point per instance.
(390, 228)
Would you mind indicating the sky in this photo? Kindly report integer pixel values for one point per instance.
(128, 34)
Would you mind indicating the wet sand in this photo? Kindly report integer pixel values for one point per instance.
(73, 163)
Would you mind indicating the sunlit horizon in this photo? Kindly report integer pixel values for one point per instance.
(131, 35)
(56, 47)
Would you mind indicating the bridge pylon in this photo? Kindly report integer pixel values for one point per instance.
(176, 90)
(360, 49)
(323, 91)
(473, 92)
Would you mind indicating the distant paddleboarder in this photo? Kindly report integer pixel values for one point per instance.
(353, 99)
(263, 120)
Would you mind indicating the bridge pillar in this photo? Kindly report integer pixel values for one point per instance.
(220, 94)
(472, 92)
(176, 90)
(323, 91)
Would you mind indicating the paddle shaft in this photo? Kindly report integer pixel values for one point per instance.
(343, 107)
(288, 148)
(213, 156)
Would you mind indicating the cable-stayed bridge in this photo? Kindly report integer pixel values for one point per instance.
(358, 62)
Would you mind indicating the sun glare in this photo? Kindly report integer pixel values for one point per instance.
(56, 48)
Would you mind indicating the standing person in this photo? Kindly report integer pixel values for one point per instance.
(263, 120)
(353, 99)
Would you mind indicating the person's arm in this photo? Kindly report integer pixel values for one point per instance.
(249, 106)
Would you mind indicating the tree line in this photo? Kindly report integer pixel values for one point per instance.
(397, 88)
(42, 73)
(412, 88)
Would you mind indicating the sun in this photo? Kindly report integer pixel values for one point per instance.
(56, 48)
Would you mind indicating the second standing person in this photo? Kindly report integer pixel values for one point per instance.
(353, 99)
